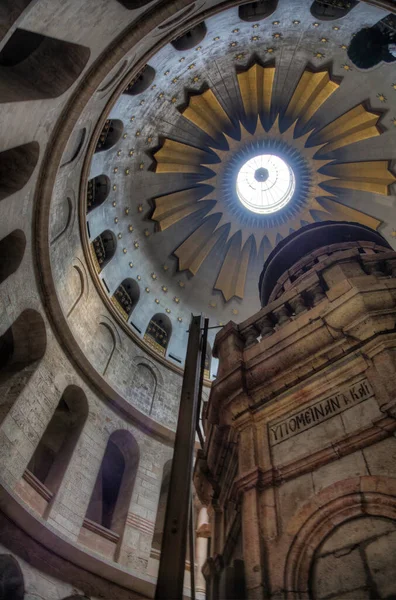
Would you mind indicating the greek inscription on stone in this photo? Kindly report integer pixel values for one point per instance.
(319, 412)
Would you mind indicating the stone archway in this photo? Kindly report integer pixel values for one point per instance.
(317, 520)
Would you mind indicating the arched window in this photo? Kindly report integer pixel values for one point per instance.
(110, 135)
(21, 347)
(191, 38)
(163, 497)
(208, 361)
(54, 451)
(112, 493)
(126, 297)
(97, 191)
(328, 10)
(16, 167)
(12, 586)
(104, 247)
(141, 82)
(12, 249)
(29, 60)
(158, 333)
(256, 11)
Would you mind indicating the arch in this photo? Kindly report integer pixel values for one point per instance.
(21, 348)
(104, 248)
(16, 167)
(144, 387)
(334, 505)
(191, 38)
(64, 215)
(55, 449)
(328, 10)
(256, 11)
(12, 250)
(126, 297)
(141, 82)
(74, 146)
(28, 62)
(11, 10)
(111, 496)
(161, 508)
(158, 333)
(98, 190)
(111, 133)
(79, 287)
(12, 586)
(108, 344)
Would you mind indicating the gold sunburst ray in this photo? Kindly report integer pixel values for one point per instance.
(246, 234)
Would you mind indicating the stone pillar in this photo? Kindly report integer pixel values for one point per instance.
(201, 549)
(251, 545)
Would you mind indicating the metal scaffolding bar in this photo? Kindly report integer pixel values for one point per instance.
(174, 541)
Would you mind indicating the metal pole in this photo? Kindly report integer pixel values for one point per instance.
(201, 378)
(174, 541)
(192, 546)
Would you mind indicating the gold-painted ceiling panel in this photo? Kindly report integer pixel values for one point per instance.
(311, 92)
(206, 112)
(256, 86)
(372, 176)
(176, 157)
(170, 209)
(354, 126)
(197, 246)
(232, 277)
(340, 212)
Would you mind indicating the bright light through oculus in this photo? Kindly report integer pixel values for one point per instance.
(265, 184)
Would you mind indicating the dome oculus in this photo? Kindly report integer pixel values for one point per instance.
(265, 184)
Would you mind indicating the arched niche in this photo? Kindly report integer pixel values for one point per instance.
(158, 333)
(161, 508)
(208, 361)
(74, 146)
(144, 387)
(126, 297)
(97, 191)
(256, 11)
(55, 449)
(28, 62)
(191, 38)
(104, 248)
(141, 82)
(16, 167)
(61, 217)
(111, 133)
(12, 585)
(12, 250)
(111, 496)
(21, 348)
(328, 10)
(356, 560)
(10, 11)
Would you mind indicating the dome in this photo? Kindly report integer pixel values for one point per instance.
(154, 156)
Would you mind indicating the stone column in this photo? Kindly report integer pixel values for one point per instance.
(201, 548)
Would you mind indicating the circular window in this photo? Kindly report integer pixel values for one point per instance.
(265, 184)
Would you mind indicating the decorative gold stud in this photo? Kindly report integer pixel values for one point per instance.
(233, 44)
(182, 59)
(124, 250)
(168, 310)
(255, 26)
(125, 136)
(166, 72)
(114, 187)
(132, 118)
(212, 304)
(114, 203)
(198, 48)
(130, 228)
(240, 56)
(116, 220)
(319, 55)
(140, 208)
(277, 35)
(336, 28)
(153, 276)
(174, 99)
(315, 24)
(275, 22)
(119, 153)
(136, 244)
(176, 299)
(141, 166)
(191, 66)
(127, 171)
(127, 211)
(195, 79)
(235, 30)
(156, 301)
(235, 311)
(165, 267)
(164, 288)
(254, 38)
(296, 22)
(216, 39)
(115, 169)
(175, 80)
(147, 232)
(344, 47)
(131, 152)
(381, 97)
(161, 95)
(324, 40)
(182, 284)
(346, 67)
(138, 133)
(269, 50)
(131, 265)
(180, 319)
(119, 236)
(147, 289)
(138, 277)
